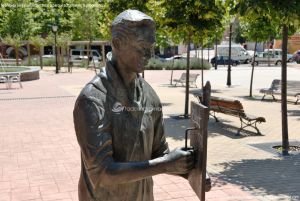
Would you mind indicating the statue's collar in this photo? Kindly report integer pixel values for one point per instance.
(128, 96)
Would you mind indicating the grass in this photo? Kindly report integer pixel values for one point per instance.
(12, 69)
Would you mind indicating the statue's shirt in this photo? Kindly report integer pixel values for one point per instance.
(125, 124)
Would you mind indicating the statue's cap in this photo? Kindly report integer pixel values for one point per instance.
(131, 15)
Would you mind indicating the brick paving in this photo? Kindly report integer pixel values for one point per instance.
(39, 154)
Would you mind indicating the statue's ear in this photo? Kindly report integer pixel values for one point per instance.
(116, 42)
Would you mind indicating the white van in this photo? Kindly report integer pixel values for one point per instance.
(80, 54)
(237, 53)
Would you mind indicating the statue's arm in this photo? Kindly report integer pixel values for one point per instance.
(92, 130)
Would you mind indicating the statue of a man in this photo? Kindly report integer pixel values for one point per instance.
(119, 122)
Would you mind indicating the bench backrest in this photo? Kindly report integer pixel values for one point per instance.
(223, 105)
(193, 77)
(276, 84)
(291, 85)
(227, 106)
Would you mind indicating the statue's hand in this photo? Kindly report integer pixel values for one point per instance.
(180, 161)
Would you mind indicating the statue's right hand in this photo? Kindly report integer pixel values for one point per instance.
(180, 161)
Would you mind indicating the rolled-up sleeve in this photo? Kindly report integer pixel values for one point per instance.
(92, 128)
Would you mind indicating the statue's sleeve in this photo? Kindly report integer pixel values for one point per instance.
(94, 137)
(160, 146)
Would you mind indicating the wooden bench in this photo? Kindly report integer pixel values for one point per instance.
(182, 79)
(233, 108)
(292, 86)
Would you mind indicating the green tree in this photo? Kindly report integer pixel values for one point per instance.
(38, 42)
(189, 18)
(286, 16)
(48, 12)
(63, 42)
(256, 28)
(16, 19)
(111, 8)
(16, 42)
(85, 21)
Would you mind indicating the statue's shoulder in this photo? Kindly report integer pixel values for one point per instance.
(94, 90)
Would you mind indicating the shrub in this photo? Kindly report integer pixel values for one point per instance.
(179, 64)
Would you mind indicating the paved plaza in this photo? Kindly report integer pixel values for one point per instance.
(40, 156)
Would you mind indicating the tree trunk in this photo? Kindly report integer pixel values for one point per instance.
(171, 81)
(216, 54)
(269, 60)
(58, 57)
(17, 55)
(62, 61)
(29, 56)
(187, 86)
(285, 135)
(68, 59)
(41, 57)
(229, 60)
(89, 51)
(252, 71)
(202, 77)
(208, 53)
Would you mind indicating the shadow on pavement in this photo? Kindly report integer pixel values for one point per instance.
(270, 177)
(258, 98)
(294, 112)
(175, 128)
(224, 128)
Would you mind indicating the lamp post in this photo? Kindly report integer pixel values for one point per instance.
(229, 54)
(54, 29)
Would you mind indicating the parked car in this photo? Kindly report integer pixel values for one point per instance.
(278, 53)
(175, 57)
(296, 56)
(265, 57)
(224, 60)
(159, 58)
(81, 54)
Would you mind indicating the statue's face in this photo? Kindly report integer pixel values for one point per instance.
(135, 53)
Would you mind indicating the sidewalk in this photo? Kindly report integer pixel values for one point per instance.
(39, 154)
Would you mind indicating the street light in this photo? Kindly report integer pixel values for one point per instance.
(54, 29)
(229, 59)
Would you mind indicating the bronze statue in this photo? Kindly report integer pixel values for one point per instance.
(119, 122)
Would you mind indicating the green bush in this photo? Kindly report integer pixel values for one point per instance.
(47, 61)
(179, 64)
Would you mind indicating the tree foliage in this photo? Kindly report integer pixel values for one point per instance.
(16, 42)
(16, 19)
(85, 22)
(193, 16)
